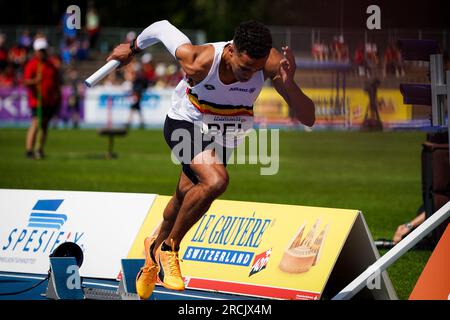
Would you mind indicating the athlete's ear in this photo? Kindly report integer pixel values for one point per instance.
(232, 49)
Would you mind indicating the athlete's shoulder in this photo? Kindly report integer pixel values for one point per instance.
(196, 60)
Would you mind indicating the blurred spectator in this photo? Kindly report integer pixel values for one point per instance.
(139, 85)
(74, 50)
(360, 62)
(17, 56)
(69, 44)
(112, 79)
(92, 25)
(173, 75)
(44, 96)
(66, 55)
(320, 51)
(55, 59)
(334, 46)
(404, 229)
(339, 49)
(392, 61)
(25, 40)
(160, 72)
(148, 69)
(324, 50)
(73, 103)
(316, 51)
(167, 76)
(82, 52)
(39, 34)
(69, 34)
(130, 36)
(372, 54)
(3, 52)
(8, 76)
(129, 72)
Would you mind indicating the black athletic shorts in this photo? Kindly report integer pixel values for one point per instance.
(170, 125)
(47, 112)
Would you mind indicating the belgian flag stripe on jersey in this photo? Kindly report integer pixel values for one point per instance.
(217, 109)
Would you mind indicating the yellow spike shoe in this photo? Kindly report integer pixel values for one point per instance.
(146, 277)
(169, 269)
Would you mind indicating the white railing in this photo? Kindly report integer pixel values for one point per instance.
(395, 253)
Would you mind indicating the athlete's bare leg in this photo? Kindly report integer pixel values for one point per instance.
(213, 181)
(173, 207)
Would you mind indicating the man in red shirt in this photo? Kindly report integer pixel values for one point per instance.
(44, 96)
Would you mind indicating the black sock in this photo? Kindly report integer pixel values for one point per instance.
(151, 251)
(166, 247)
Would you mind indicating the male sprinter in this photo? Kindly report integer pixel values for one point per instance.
(222, 82)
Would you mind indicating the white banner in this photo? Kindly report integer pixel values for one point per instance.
(34, 223)
(104, 104)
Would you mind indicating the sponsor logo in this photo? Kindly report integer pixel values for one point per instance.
(239, 235)
(122, 101)
(231, 257)
(251, 90)
(260, 262)
(44, 231)
(209, 87)
(44, 215)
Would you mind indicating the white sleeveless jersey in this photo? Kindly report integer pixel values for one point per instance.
(217, 107)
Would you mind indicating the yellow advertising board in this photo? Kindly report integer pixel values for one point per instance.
(258, 249)
(329, 108)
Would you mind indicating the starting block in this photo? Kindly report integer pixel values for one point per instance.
(130, 268)
(65, 283)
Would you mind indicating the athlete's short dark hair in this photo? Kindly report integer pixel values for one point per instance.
(253, 38)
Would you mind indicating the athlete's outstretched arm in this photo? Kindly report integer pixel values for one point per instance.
(190, 56)
(161, 31)
(281, 69)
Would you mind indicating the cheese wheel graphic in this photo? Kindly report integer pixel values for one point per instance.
(297, 260)
(301, 254)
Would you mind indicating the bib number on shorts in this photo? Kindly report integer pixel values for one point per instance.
(232, 128)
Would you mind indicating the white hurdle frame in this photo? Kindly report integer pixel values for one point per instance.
(395, 253)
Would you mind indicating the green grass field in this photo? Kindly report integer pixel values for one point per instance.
(378, 173)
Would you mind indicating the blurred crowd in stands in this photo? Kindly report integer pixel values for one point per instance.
(76, 46)
(80, 45)
(14, 58)
(366, 59)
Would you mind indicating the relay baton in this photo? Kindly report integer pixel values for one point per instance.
(101, 73)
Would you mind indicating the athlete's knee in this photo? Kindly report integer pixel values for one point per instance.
(216, 184)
